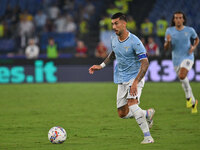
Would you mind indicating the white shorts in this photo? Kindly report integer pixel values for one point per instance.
(186, 63)
(123, 92)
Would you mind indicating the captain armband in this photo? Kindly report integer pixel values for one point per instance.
(142, 56)
(102, 64)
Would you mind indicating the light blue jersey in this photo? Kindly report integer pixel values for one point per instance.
(128, 53)
(181, 44)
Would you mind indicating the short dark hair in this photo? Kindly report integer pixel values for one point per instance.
(119, 15)
(184, 17)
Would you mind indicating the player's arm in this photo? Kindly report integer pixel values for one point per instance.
(167, 44)
(143, 69)
(110, 58)
(194, 46)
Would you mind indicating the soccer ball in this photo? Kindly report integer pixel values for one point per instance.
(57, 135)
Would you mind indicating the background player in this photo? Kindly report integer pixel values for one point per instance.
(177, 38)
(132, 64)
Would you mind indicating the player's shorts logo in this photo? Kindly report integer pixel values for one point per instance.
(188, 63)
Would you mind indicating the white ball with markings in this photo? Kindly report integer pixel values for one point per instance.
(57, 135)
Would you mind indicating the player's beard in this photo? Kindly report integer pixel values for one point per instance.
(119, 33)
(179, 25)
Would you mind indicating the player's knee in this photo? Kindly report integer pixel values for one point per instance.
(121, 115)
(182, 76)
(123, 111)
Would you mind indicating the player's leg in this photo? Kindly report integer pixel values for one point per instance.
(182, 72)
(123, 112)
(122, 106)
(149, 113)
(128, 108)
(190, 100)
(138, 113)
(122, 102)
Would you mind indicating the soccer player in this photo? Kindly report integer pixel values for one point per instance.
(132, 64)
(177, 39)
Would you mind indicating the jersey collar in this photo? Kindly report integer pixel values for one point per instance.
(125, 39)
(181, 29)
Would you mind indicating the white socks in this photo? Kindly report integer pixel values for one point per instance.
(140, 117)
(187, 89)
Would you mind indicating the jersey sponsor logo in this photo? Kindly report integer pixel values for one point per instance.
(126, 48)
(42, 72)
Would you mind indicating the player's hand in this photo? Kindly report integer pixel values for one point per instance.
(94, 68)
(169, 38)
(192, 48)
(133, 90)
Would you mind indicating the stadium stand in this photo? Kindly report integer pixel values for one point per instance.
(85, 17)
(166, 7)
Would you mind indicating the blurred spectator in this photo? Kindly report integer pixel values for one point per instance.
(122, 5)
(83, 28)
(60, 23)
(152, 48)
(161, 26)
(53, 12)
(40, 20)
(26, 27)
(131, 24)
(89, 9)
(106, 32)
(81, 50)
(101, 50)
(25, 30)
(105, 24)
(146, 28)
(112, 9)
(70, 25)
(52, 51)
(32, 50)
(2, 29)
(26, 15)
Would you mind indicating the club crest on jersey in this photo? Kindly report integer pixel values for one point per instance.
(186, 33)
(126, 48)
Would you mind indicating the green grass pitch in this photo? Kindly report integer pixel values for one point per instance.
(87, 111)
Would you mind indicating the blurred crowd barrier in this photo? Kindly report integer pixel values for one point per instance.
(76, 70)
